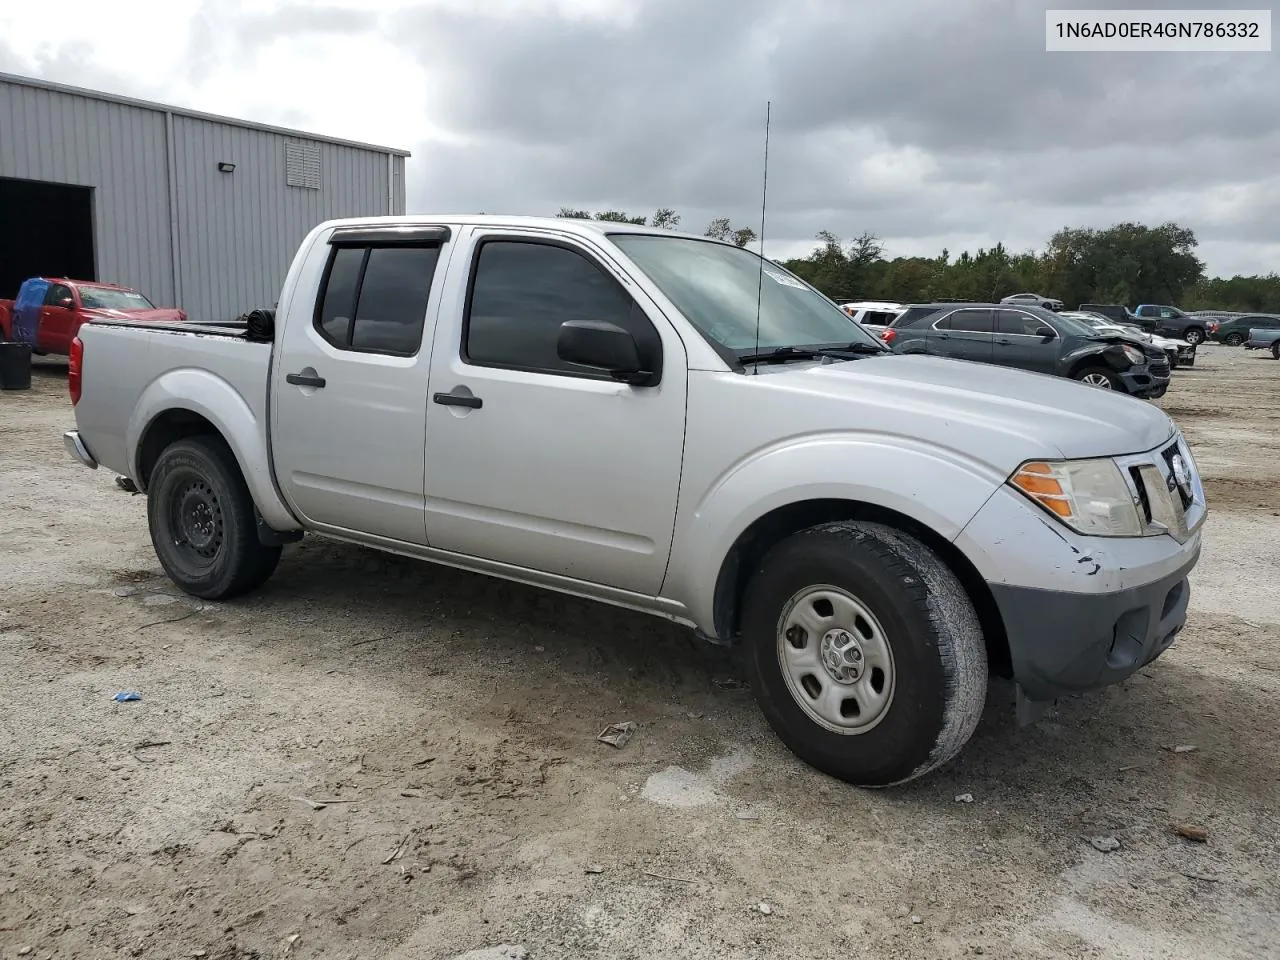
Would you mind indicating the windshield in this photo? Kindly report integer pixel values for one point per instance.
(105, 298)
(1075, 326)
(715, 286)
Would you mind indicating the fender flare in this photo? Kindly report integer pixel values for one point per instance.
(941, 489)
(213, 398)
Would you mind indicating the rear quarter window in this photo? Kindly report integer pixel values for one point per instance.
(912, 317)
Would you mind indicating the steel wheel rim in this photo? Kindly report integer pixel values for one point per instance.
(196, 522)
(1098, 380)
(836, 659)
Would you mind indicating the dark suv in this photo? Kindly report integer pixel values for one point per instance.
(1172, 322)
(1030, 338)
(1235, 330)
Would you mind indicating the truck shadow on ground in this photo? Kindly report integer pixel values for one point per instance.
(407, 623)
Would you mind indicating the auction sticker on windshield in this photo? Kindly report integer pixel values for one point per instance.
(786, 281)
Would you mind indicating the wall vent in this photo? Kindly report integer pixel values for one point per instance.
(302, 164)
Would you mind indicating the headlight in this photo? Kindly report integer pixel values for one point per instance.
(1135, 355)
(1089, 496)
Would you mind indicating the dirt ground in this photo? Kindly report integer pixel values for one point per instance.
(448, 722)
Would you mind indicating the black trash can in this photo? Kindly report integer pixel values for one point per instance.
(15, 366)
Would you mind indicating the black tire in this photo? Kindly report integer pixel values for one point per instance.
(1085, 374)
(937, 676)
(1233, 339)
(1194, 336)
(1275, 350)
(197, 484)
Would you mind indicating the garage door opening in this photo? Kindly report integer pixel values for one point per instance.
(46, 230)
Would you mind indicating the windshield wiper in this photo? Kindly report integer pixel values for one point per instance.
(836, 351)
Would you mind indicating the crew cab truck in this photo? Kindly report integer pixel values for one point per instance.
(1172, 322)
(49, 311)
(671, 424)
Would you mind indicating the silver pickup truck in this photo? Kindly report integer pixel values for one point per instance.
(1264, 338)
(671, 424)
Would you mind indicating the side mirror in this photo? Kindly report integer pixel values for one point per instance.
(66, 302)
(603, 346)
(1046, 334)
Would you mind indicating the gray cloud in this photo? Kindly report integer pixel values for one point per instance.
(925, 121)
(931, 118)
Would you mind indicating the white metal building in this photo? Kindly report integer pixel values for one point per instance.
(195, 211)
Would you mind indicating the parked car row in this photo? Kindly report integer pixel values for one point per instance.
(1237, 331)
(1179, 352)
(1033, 338)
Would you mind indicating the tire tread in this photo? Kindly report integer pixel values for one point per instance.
(253, 562)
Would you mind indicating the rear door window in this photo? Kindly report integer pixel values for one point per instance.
(912, 315)
(375, 298)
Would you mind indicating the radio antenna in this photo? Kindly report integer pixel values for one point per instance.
(764, 202)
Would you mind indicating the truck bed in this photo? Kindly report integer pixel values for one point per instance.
(132, 369)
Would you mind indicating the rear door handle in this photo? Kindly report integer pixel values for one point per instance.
(302, 380)
(1005, 342)
(458, 400)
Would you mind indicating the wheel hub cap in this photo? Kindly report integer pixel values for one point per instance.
(199, 520)
(842, 656)
(836, 660)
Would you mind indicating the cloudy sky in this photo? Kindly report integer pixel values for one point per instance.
(929, 123)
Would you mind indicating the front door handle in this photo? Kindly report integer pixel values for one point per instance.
(1004, 342)
(458, 400)
(302, 380)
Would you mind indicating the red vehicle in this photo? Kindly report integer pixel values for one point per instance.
(48, 311)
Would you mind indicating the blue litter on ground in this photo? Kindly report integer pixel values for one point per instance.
(125, 696)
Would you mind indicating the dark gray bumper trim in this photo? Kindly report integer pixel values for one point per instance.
(1065, 643)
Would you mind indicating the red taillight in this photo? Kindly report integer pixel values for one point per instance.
(889, 336)
(74, 370)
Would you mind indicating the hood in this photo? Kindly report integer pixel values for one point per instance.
(1148, 348)
(1028, 415)
(160, 314)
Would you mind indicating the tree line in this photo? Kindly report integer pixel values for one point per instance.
(1127, 263)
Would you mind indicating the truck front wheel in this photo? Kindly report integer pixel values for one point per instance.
(202, 521)
(865, 653)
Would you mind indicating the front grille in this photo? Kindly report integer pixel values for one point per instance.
(1163, 503)
(1160, 369)
(1168, 453)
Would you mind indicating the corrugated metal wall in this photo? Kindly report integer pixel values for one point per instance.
(117, 149)
(166, 220)
(237, 232)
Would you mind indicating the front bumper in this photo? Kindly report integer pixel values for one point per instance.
(1062, 643)
(1151, 380)
(1083, 612)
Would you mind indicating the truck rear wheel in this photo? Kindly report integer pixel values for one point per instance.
(202, 521)
(865, 653)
